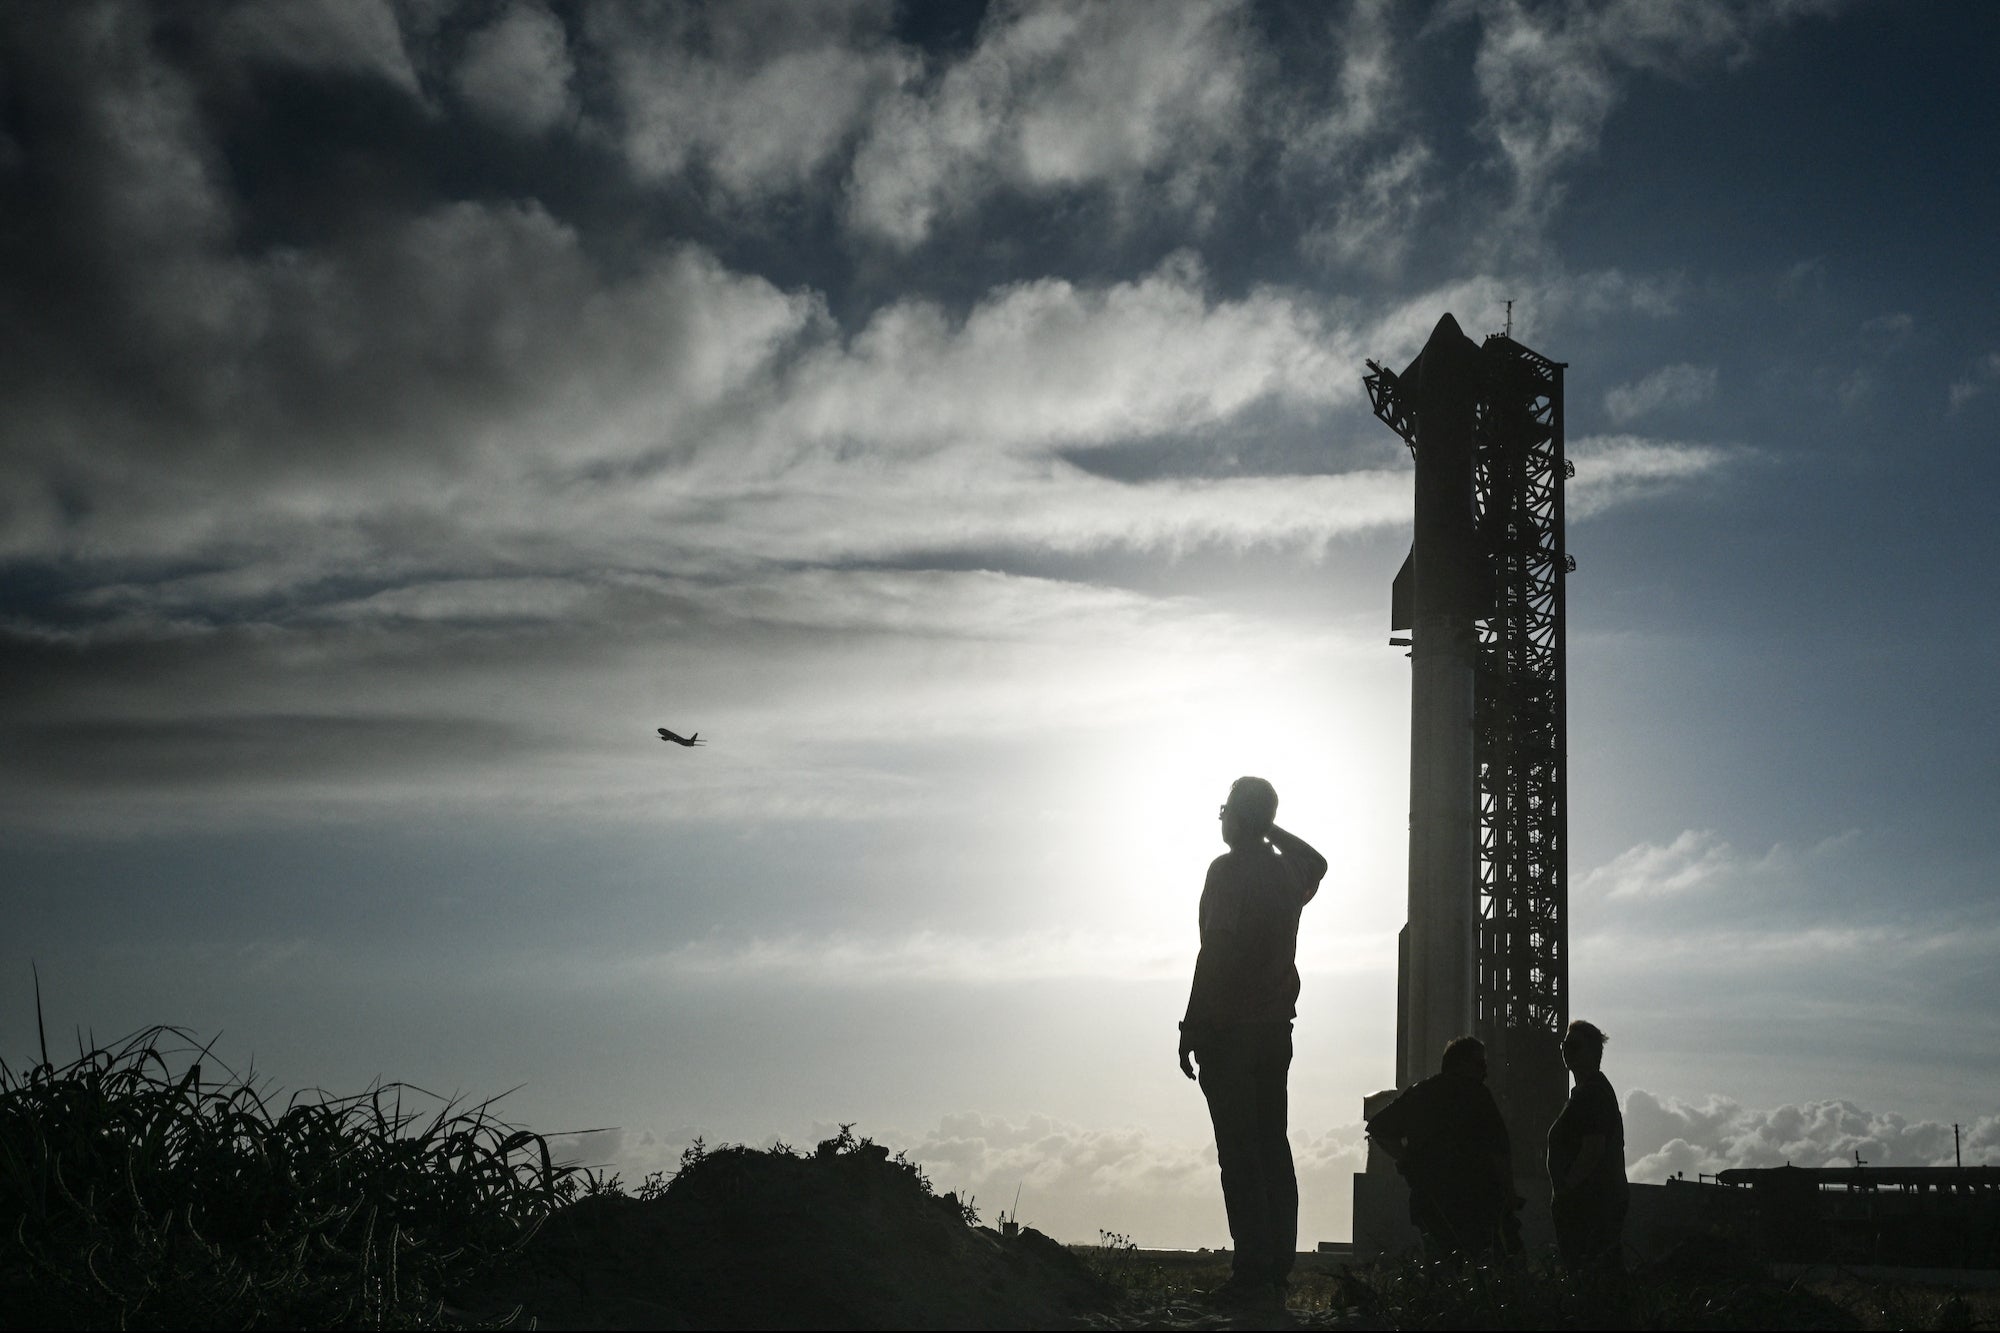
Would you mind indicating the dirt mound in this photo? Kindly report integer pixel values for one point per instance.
(846, 1237)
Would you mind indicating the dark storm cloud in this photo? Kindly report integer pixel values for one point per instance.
(234, 263)
(255, 241)
(121, 256)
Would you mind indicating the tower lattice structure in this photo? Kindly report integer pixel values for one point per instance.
(1519, 709)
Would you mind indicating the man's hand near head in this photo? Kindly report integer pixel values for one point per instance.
(1294, 848)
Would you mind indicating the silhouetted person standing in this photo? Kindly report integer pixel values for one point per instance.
(1587, 1159)
(1239, 1028)
(1451, 1145)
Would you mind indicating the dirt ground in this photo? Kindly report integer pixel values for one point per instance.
(846, 1237)
(850, 1237)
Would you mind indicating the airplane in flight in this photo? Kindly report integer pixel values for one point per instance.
(695, 739)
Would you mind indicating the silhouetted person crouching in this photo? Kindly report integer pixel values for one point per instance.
(1451, 1145)
(1587, 1160)
(1239, 1029)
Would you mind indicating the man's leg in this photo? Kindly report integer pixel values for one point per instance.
(1429, 1221)
(1469, 1225)
(1227, 1083)
(1610, 1248)
(1274, 1152)
(1590, 1231)
(1572, 1231)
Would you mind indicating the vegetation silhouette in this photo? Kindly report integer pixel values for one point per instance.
(138, 1190)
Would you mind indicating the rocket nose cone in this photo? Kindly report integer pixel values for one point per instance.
(1446, 350)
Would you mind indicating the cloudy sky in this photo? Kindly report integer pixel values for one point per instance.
(953, 412)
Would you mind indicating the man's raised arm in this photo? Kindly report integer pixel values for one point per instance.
(1311, 865)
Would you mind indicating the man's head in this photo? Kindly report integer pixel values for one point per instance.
(1583, 1045)
(1249, 812)
(1466, 1057)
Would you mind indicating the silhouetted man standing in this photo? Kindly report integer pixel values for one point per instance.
(1451, 1145)
(1239, 1028)
(1587, 1159)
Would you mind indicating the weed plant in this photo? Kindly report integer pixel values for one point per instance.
(137, 1191)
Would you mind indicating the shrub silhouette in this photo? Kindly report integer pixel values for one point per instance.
(137, 1191)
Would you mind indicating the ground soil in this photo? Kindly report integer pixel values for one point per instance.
(850, 1237)
(846, 1238)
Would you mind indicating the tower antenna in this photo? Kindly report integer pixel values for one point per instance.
(1509, 330)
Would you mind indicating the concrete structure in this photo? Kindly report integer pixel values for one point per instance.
(1484, 950)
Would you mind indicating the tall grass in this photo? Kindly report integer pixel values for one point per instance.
(139, 1191)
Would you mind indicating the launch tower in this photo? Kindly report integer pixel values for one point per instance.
(1485, 950)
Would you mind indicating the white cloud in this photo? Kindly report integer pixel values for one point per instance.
(142, 158)
(696, 419)
(1059, 97)
(1690, 863)
(446, 456)
(513, 601)
(1377, 212)
(1619, 469)
(473, 347)
(1367, 89)
(1890, 329)
(944, 958)
(517, 69)
(924, 957)
(1983, 376)
(1753, 953)
(1674, 388)
(1550, 75)
(1048, 363)
(1664, 1135)
(828, 689)
(823, 511)
(1702, 861)
(323, 34)
(511, 373)
(761, 98)
(501, 471)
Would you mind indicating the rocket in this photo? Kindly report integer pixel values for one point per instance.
(1437, 597)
